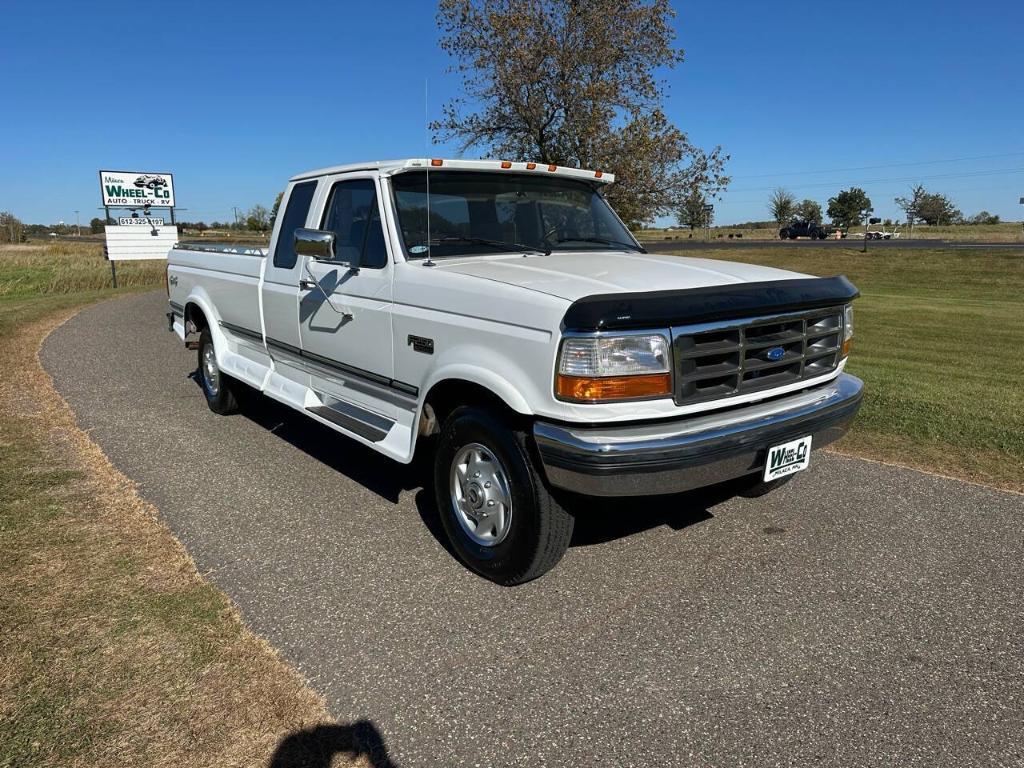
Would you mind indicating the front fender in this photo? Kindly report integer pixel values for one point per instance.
(487, 378)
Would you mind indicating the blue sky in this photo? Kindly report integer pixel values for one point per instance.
(235, 98)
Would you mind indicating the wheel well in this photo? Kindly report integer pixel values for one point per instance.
(447, 395)
(194, 314)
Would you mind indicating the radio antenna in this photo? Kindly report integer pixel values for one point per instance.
(426, 141)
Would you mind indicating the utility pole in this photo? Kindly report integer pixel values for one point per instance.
(235, 209)
(78, 227)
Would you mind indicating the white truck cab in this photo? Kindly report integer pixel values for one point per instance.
(501, 315)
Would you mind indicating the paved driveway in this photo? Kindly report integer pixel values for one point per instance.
(862, 615)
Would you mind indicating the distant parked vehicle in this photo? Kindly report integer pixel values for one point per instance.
(811, 229)
(881, 234)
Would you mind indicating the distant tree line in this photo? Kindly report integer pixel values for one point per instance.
(852, 206)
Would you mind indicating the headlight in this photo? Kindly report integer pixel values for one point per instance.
(847, 329)
(601, 368)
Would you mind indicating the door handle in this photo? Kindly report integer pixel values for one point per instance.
(307, 285)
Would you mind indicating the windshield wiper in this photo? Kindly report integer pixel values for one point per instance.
(602, 241)
(492, 243)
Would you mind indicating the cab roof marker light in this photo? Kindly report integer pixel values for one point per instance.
(552, 167)
(530, 166)
(437, 162)
(506, 164)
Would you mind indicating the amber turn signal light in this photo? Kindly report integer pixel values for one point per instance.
(846, 347)
(582, 389)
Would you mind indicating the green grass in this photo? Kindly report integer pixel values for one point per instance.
(939, 342)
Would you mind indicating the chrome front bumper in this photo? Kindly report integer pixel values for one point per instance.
(679, 455)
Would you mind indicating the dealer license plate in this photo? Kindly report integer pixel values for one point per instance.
(787, 458)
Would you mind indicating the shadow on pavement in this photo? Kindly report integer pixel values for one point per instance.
(316, 747)
(383, 476)
(597, 520)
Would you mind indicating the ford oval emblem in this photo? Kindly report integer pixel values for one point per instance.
(775, 353)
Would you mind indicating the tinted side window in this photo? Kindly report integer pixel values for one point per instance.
(353, 216)
(294, 218)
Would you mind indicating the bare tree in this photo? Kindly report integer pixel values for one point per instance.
(542, 82)
(911, 205)
(782, 206)
(11, 228)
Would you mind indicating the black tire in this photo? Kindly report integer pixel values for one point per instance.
(539, 530)
(784, 234)
(220, 394)
(753, 487)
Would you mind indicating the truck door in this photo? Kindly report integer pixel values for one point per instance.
(345, 311)
(280, 295)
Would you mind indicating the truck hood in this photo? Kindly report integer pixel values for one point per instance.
(573, 275)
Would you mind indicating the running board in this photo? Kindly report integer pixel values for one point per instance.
(357, 420)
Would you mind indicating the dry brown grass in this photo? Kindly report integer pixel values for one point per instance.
(113, 650)
(66, 268)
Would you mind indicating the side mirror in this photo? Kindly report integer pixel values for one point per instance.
(873, 220)
(314, 243)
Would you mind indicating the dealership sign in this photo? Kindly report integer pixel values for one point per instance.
(130, 189)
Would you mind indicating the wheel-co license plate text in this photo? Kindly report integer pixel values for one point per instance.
(787, 458)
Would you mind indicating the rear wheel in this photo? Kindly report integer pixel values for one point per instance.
(218, 387)
(784, 234)
(495, 507)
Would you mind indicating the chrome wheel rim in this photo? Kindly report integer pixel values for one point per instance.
(480, 495)
(211, 373)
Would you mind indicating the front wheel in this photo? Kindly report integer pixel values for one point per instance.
(495, 507)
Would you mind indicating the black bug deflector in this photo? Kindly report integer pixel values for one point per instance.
(660, 309)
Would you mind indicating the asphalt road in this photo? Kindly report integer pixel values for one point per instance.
(699, 244)
(862, 615)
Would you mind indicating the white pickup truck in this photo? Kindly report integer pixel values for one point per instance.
(501, 315)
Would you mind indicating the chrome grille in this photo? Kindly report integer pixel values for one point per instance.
(721, 360)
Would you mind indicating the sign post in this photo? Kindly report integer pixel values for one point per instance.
(135, 236)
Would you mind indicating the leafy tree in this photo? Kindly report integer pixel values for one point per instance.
(542, 82)
(936, 209)
(11, 228)
(694, 212)
(273, 210)
(809, 210)
(984, 218)
(911, 205)
(258, 219)
(96, 226)
(849, 208)
(782, 206)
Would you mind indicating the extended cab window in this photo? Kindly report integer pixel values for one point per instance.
(294, 218)
(354, 217)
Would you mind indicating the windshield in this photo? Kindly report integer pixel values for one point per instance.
(478, 213)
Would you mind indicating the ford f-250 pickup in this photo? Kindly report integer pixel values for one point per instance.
(501, 315)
